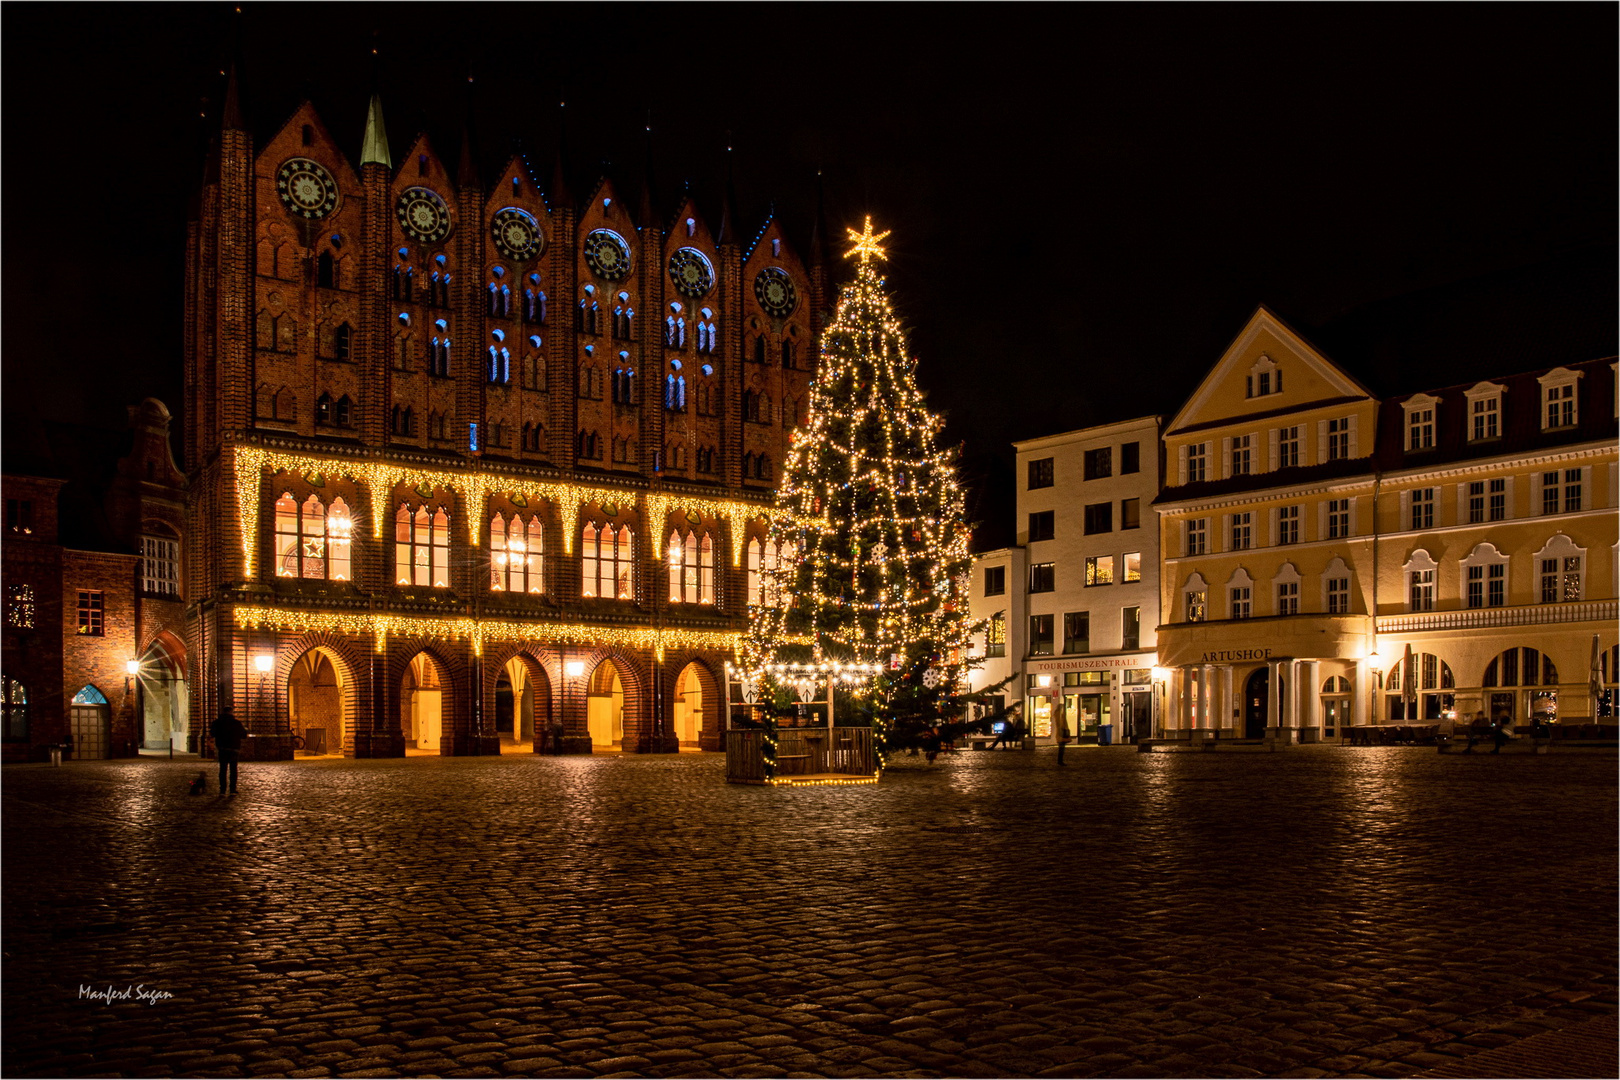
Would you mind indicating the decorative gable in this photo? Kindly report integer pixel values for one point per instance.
(1268, 366)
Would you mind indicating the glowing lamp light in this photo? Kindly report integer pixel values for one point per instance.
(1161, 674)
(132, 667)
(574, 668)
(264, 662)
(1043, 680)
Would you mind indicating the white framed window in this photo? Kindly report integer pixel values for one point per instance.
(1336, 587)
(1285, 444)
(1338, 438)
(1484, 411)
(1560, 565)
(1242, 455)
(1239, 599)
(1242, 532)
(1197, 462)
(1420, 571)
(1420, 430)
(1239, 595)
(1338, 519)
(1562, 491)
(1559, 401)
(1197, 536)
(1420, 503)
(1264, 379)
(160, 565)
(1288, 525)
(1195, 595)
(1485, 577)
(1285, 587)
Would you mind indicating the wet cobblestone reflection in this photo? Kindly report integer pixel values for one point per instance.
(1326, 911)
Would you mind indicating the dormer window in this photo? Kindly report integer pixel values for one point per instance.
(1558, 399)
(1265, 378)
(1420, 429)
(1484, 411)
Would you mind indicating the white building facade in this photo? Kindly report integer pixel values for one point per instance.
(1081, 629)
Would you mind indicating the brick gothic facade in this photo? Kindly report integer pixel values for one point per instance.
(387, 368)
(92, 537)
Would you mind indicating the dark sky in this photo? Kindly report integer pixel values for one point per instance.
(1087, 201)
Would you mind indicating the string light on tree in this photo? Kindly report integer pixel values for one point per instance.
(875, 511)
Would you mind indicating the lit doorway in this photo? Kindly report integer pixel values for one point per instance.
(688, 707)
(315, 703)
(90, 723)
(1256, 703)
(1335, 706)
(164, 705)
(604, 707)
(522, 706)
(421, 705)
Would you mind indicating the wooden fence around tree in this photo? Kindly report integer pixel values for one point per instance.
(802, 755)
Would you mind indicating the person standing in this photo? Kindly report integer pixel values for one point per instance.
(228, 734)
(1062, 734)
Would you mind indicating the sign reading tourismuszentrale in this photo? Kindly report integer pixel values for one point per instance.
(1222, 656)
(1096, 663)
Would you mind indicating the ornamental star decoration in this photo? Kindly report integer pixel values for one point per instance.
(867, 245)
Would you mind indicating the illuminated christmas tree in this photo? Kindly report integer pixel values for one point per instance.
(874, 512)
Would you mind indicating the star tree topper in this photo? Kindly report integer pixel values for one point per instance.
(867, 245)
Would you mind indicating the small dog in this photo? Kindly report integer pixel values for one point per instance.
(199, 786)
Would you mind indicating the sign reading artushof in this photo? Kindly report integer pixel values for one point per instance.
(1222, 656)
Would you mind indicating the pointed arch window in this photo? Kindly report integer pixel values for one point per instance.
(759, 349)
(767, 564)
(516, 554)
(325, 273)
(675, 393)
(706, 335)
(691, 567)
(499, 369)
(422, 546)
(312, 540)
(534, 305)
(607, 561)
(624, 385)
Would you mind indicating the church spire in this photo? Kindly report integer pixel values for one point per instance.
(231, 117)
(559, 183)
(818, 232)
(374, 150)
(728, 208)
(467, 171)
(647, 217)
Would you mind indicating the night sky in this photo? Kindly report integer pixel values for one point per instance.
(1087, 201)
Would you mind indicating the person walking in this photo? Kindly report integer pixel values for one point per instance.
(228, 734)
(1062, 735)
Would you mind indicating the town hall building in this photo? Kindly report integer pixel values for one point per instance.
(475, 466)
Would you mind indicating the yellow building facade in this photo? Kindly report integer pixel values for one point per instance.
(1334, 559)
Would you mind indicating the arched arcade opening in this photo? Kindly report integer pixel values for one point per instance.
(316, 696)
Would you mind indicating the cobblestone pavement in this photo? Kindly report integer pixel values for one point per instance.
(1327, 911)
